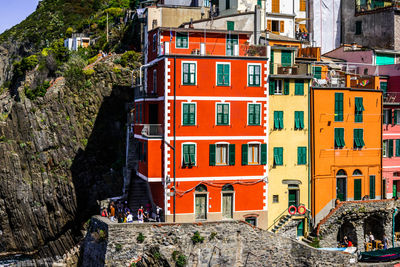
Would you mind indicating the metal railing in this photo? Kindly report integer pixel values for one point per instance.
(391, 98)
(140, 92)
(286, 212)
(284, 69)
(331, 81)
(152, 130)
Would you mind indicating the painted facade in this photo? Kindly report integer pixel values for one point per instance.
(346, 144)
(218, 97)
(288, 160)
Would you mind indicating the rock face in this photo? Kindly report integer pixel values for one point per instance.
(58, 155)
(229, 243)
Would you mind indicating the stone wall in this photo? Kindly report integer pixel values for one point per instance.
(355, 219)
(229, 243)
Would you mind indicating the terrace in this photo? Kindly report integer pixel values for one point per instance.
(365, 6)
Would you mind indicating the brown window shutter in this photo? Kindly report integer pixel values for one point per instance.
(282, 26)
(269, 25)
(302, 5)
(275, 6)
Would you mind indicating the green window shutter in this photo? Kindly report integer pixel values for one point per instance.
(398, 148)
(192, 155)
(383, 86)
(317, 72)
(219, 114)
(359, 108)
(185, 155)
(372, 186)
(230, 25)
(226, 114)
(212, 154)
(251, 114)
(231, 154)
(254, 114)
(286, 87)
(253, 75)
(276, 119)
(357, 189)
(356, 140)
(338, 106)
(390, 117)
(226, 74)
(342, 137)
(257, 75)
(301, 155)
(301, 119)
(272, 85)
(245, 150)
(361, 137)
(281, 119)
(271, 64)
(263, 154)
(185, 114)
(250, 77)
(286, 59)
(220, 74)
(192, 114)
(280, 150)
(296, 120)
(257, 114)
(339, 137)
(299, 87)
(390, 148)
(337, 140)
(278, 156)
(395, 116)
(259, 3)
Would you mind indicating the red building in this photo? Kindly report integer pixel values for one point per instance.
(201, 125)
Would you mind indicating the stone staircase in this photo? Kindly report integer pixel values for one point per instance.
(139, 194)
(282, 221)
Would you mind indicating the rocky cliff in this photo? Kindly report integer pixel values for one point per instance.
(58, 155)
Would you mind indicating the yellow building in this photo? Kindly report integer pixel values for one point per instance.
(288, 139)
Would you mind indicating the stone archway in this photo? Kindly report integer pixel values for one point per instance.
(374, 224)
(349, 230)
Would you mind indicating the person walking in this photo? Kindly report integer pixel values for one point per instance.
(129, 218)
(140, 214)
(385, 242)
(112, 212)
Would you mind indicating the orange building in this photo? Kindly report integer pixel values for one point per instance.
(201, 125)
(346, 141)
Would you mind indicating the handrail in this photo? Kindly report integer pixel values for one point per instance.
(277, 218)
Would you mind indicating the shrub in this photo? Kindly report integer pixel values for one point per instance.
(69, 32)
(118, 247)
(130, 59)
(196, 238)
(102, 235)
(73, 72)
(181, 261)
(140, 238)
(212, 235)
(92, 59)
(116, 70)
(114, 11)
(29, 63)
(88, 72)
(39, 91)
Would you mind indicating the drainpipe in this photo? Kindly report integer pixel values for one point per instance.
(174, 137)
(393, 225)
(309, 153)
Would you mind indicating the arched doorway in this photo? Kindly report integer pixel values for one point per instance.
(357, 177)
(374, 224)
(201, 199)
(347, 229)
(341, 185)
(227, 201)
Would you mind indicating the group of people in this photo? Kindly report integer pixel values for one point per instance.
(346, 242)
(121, 213)
(371, 239)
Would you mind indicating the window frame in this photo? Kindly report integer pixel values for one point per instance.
(195, 113)
(281, 87)
(358, 115)
(195, 72)
(182, 154)
(385, 148)
(300, 118)
(258, 144)
(228, 37)
(356, 132)
(334, 139)
(248, 74)
(339, 112)
(226, 156)
(275, 161)
(216, 113)
(248, 114)
(206, 193)
(176, 40)
(216, 73)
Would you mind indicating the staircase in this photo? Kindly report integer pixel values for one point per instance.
(139, 194)
(282, 221)
(309, 239)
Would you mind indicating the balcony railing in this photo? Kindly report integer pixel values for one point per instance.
(151, 130)
(139, 92)
(296, 69)
(330, 82)
(391, 98)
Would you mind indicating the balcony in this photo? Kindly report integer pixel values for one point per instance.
(391, 98)
(149, 130)
(302, 70)
(139, 92)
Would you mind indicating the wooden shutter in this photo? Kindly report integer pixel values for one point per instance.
(192, 155)
(341, 130)
(245, 149)
(185, 155)
(299, 156)
(257, 114)
(225, 108)
(226, 74)
(302, 5)
(281, 119)
(398, 148)
(357, 189)
(185, 114)
(230, 25)
(297, 120)
(282, 26)
(269, 25)
(301, 119)
(390, 148)
(275, 6)
(395, 116)
(231, 154)
(251, 114)
(286, 87)
(272, 87)
(276, 119)
(299, 87)
(220, 74)
(372, 186)
(263, 154)
(212, 154)
(192, 114)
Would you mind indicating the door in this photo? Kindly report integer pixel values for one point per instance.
(341, 189)
(357, 189)
(201, 207)
(394, 189)
(153, 114)
(293, 200)
(227, 205)
(300, 228)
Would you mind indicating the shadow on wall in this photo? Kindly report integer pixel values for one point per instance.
(347, 229)
(374, 224)
(97, 171)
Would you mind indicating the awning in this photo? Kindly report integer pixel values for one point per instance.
(302, 28)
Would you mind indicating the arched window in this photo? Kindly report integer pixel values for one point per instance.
(227, 187)
(201, 188)
(341, 173)
(357, 172)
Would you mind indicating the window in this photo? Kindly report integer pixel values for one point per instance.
(275, 199)
(189, 155)
(182, 40)
(254, 114)
(275, 26)
(222, 114)
(259, 3)
(357, 172)
(338, 106)
(286, 87)
(254, 154)
(387, 116)
(358, 138)
(372, 187)
(231, 41)
(201, 202)
(339, 138)
(390, 148)
(301, 155)
(398, 148)
(253, 75)
(271, 63)
(396, 116)
(317, 72)
(227, 4)
(383, 86)
(154, 42)
(189, 73)
(154, 81)
(230, 25)
(276, 87)
(251, 220)
(302, 5)
(299, 120)
(286, 58)
(278, 120)
(385, 148)
(299, 87)
(139, 113)
(223, 74)
(189, 114)
(222, 154)
(278, 156)
(358, 114)
(358, 27)
(141, 151)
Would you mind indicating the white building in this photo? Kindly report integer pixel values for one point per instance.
(75, 42)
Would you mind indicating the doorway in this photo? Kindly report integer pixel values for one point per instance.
(300, 228)
(357, 189)
(341, 185)
(153, 113)
(201, 202)
(293, 197)
(227, 201)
